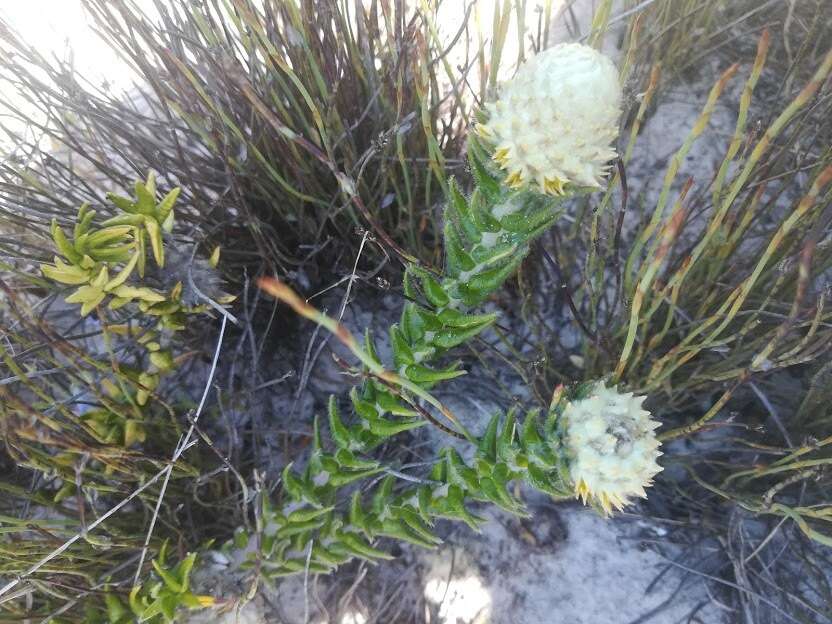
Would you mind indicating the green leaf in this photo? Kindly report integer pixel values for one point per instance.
(136, 605)
(329, 557)
(382, 495)
(141, 247)
(541, 480)
(305, 515)
(401, 531)
(118, 302)
(115, 608)
(459, 473)
(530, 436)
(487, 446)
(165, 207)
(424, 375)
(407, 285)
(344, 477)
(288, 567)
(65, 273)
(82, 224)
(455, 318)
(392, 404)
(456, 200)
(535, 215)
(67, 489)
(487, 183)
(138, 292)
(299, 528)
(122, 275)
(449, 338)
(169, 579)
(457, 258)
(357, 517)
(423, 497)
(88, 296)
(63, 245)
(386, 428)
(412, 326)
(100, 279)
(122, 203)
(154, 233)
(416, 525)
(163, 360)
(169, 605)
(480, 211)
(191, 601)
(505, 441)
(317, 443)
(438, 472)
(167, 224)
(370, 347)
(214, 259)
(348, 460)
(479, 286)
(109, 235)
(458, 216)
(150, 184)
(126, 219)
(433, 290)
(145, 200)
(360, 548)
(339, 432)
(291, 483)
(151, 611)
(538, 450)
(497, 493)
(111, 254)
(134, 433)
(183, 569)
(402, 353)
(453, 506)
(363, 409)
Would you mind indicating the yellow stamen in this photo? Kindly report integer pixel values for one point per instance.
(582, 491)
(553, 186)
(501, 156)
(605, 503)
(515, 180)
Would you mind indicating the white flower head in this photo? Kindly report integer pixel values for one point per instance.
(611, 446)
(553, 123)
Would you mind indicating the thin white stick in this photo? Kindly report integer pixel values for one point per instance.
(352, 277)
(180, 448)
(306, 584)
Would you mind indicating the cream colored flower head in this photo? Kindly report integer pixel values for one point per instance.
(553, 123)
(611, 447)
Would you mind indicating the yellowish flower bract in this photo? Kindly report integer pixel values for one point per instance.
(553, 123)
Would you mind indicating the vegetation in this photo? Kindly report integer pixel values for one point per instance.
(287, 125)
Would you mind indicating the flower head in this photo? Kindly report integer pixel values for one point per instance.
(611, 446)
(553, 123)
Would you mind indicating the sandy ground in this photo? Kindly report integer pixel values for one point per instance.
(566, 567)
(563, 567)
